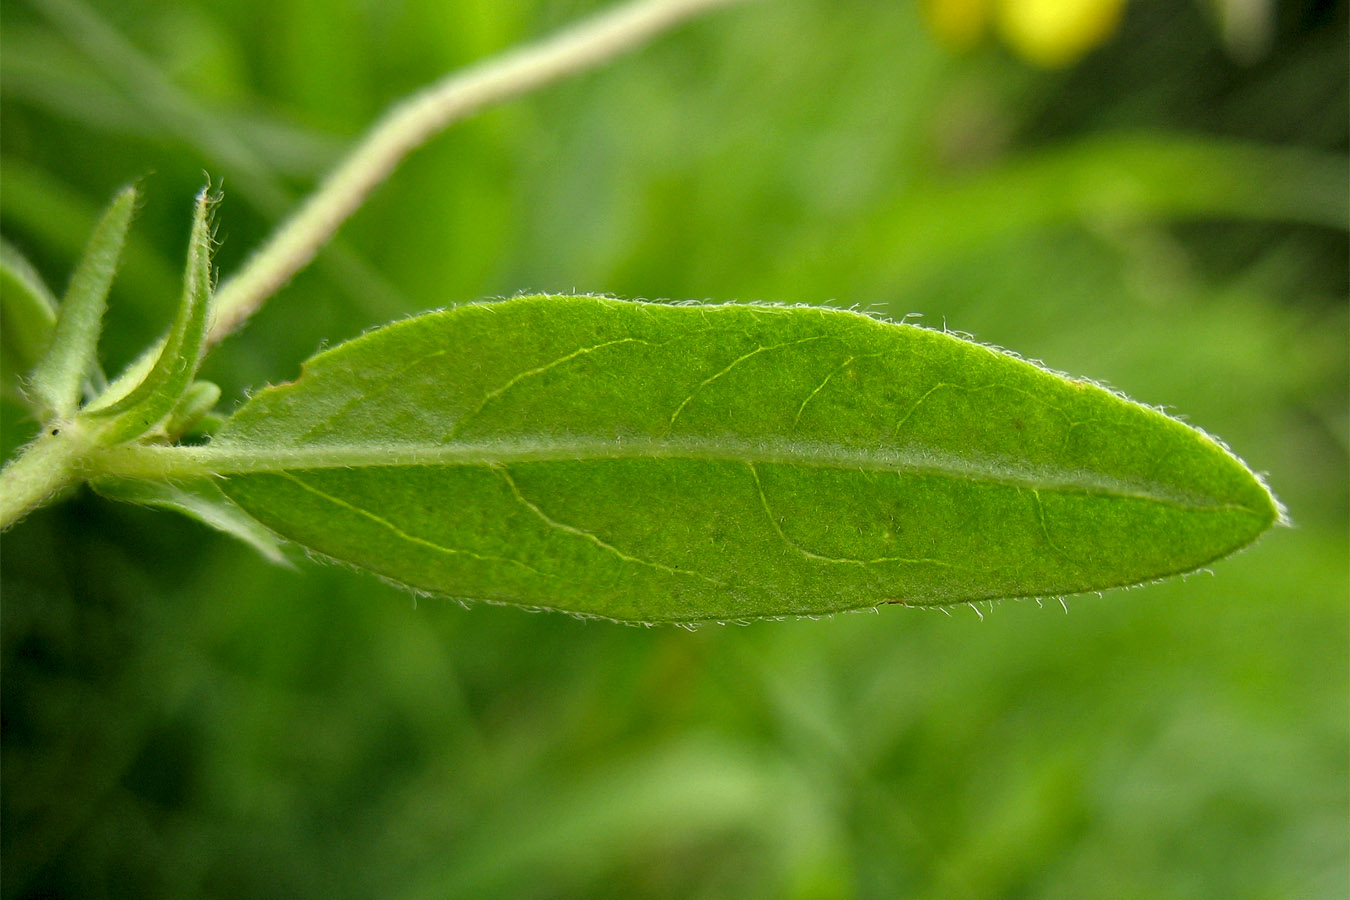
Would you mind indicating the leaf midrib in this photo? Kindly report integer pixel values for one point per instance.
(227, 457)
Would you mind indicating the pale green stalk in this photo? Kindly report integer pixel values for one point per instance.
(47, 466)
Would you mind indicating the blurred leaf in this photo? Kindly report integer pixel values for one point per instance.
(158, 98)
(58, 218)
(27, 317)
(689, 791)
(662, 463)
(44, 71)
(1098, 180)
(153, 96)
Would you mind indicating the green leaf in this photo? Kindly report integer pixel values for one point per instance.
(72, 355)
(657, 463)
(165, 382)
(197, 498)
(27, 318)
(128, 379)
(200, 398)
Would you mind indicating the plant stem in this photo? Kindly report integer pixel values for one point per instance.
(413, 121)
(45, 467)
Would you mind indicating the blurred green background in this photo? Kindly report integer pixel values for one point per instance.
(1166, 215)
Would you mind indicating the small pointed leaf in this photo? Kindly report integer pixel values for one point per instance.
(72, 355)
(164, 384)
(128, 379)
(659, 463)
(27, 318)
(199, 499)
(201, 397)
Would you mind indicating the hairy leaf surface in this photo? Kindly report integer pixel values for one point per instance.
(71, 357)
(164, 382)
(655, 463)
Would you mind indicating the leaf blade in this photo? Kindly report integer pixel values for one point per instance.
(671, 463)
(197, 499)
(71, 357)
(180, 354)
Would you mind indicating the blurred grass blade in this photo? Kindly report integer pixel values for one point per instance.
(71, 356)
(27, 319)
(198, 499)
(682, 791)
(649, 463)
(1101, 179)
(165, 382)
(156, 98)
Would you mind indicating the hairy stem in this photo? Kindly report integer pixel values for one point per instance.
(413, 121)
(48, 465)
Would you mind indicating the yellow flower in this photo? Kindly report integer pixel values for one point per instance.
(1057, 32)
(1047, 33)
